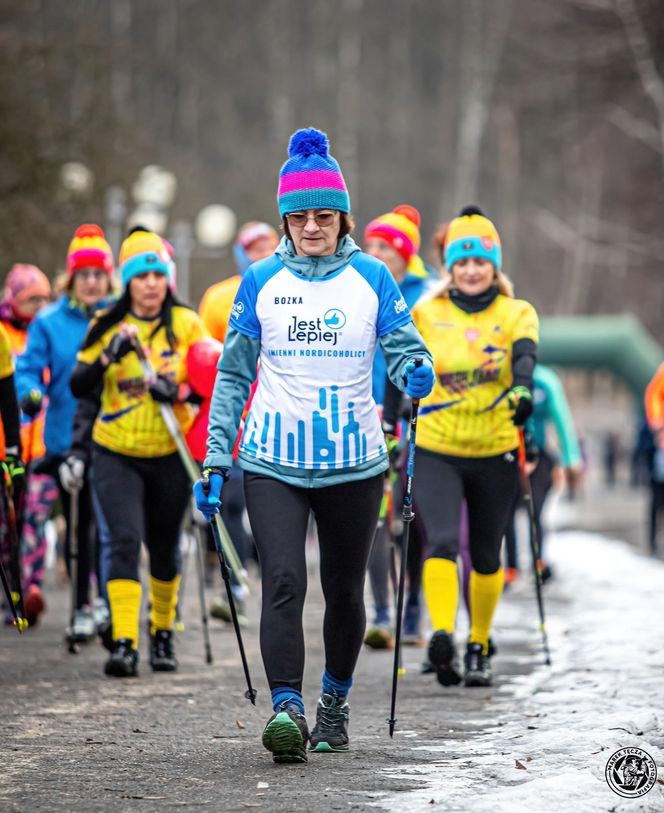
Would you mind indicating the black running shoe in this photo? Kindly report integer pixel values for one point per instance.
(444, 658)
(162, 656)
(478, 666)
(123, 661)
(105, 633)
(286, 735)
(331, 730)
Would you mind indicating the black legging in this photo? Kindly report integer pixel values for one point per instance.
(541, 481)
(656, 505)
(86, 537)
(488, 484)
(381, 556)
(346, 517)
(142, 499)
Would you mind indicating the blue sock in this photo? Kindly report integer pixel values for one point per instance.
(382, 615)
(331, 685)
(290, 696)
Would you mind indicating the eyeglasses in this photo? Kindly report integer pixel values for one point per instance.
(322, 219)
(35, 300)
(91, 273)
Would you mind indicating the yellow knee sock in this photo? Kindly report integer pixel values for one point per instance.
(485, 590)
(163, 598)
(441, 590)
(124, 598)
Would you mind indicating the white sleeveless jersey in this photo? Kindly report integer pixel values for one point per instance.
(313, 408)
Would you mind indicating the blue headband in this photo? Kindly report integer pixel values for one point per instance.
(466, 247)
(142, 263)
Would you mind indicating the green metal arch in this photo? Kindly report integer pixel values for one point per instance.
(617, 343)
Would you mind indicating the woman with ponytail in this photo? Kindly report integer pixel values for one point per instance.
(142, 486)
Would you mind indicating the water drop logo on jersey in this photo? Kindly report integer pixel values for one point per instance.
(323, 330)
(631, 772)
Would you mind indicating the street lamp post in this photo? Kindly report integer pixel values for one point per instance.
(115, 212)
(182, 240)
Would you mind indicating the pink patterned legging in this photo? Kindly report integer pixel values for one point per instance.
(42, 493)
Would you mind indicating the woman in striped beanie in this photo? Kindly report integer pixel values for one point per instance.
(42, 382)
(314, 313)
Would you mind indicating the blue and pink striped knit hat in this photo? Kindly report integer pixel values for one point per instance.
(311, 177)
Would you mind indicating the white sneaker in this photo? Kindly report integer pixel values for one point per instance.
(84, 627)
(100, 612)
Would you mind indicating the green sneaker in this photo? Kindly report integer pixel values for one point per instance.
(330, 734)
(379, 637)
(221, 609)
(286, 735)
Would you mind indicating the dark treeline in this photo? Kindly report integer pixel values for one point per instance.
(548, 114)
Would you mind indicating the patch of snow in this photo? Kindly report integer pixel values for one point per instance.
(603, 692)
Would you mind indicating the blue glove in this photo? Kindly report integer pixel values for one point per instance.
(207, 492)
(418, 380)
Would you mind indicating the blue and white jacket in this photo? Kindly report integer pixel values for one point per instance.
(315, 324)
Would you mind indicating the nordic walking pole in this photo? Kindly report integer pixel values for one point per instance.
(72, 645)
(250, 694)
(191, 467)
(534, 542)
(393, 554)
(11, 599)
(408, 516)
(184, 569)
(200, 568)
(16, 596)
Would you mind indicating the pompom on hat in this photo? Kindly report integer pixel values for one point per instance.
(89, 249)
(400, 228)
(472, 235)
(143, 251)
(311, 177)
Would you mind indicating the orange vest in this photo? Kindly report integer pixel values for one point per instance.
(654, 400)
(32, 434)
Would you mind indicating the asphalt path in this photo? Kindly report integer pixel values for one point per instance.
(75, 740)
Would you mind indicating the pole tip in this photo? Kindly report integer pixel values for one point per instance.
(250, 694)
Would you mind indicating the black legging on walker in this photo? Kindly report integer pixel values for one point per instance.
(488, 484)
(142, 499)
(541, 481)
(346, 517)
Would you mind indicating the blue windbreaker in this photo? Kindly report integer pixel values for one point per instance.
(54, 338)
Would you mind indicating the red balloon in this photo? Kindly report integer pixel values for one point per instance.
(202, 359)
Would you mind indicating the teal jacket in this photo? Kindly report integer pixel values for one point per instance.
(551, 405)
(237, 371)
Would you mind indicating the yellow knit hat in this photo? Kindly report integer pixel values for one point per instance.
(472, 235)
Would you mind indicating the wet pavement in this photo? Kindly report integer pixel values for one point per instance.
(75, 740)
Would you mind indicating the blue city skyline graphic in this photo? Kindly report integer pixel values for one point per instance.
(335, 438)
